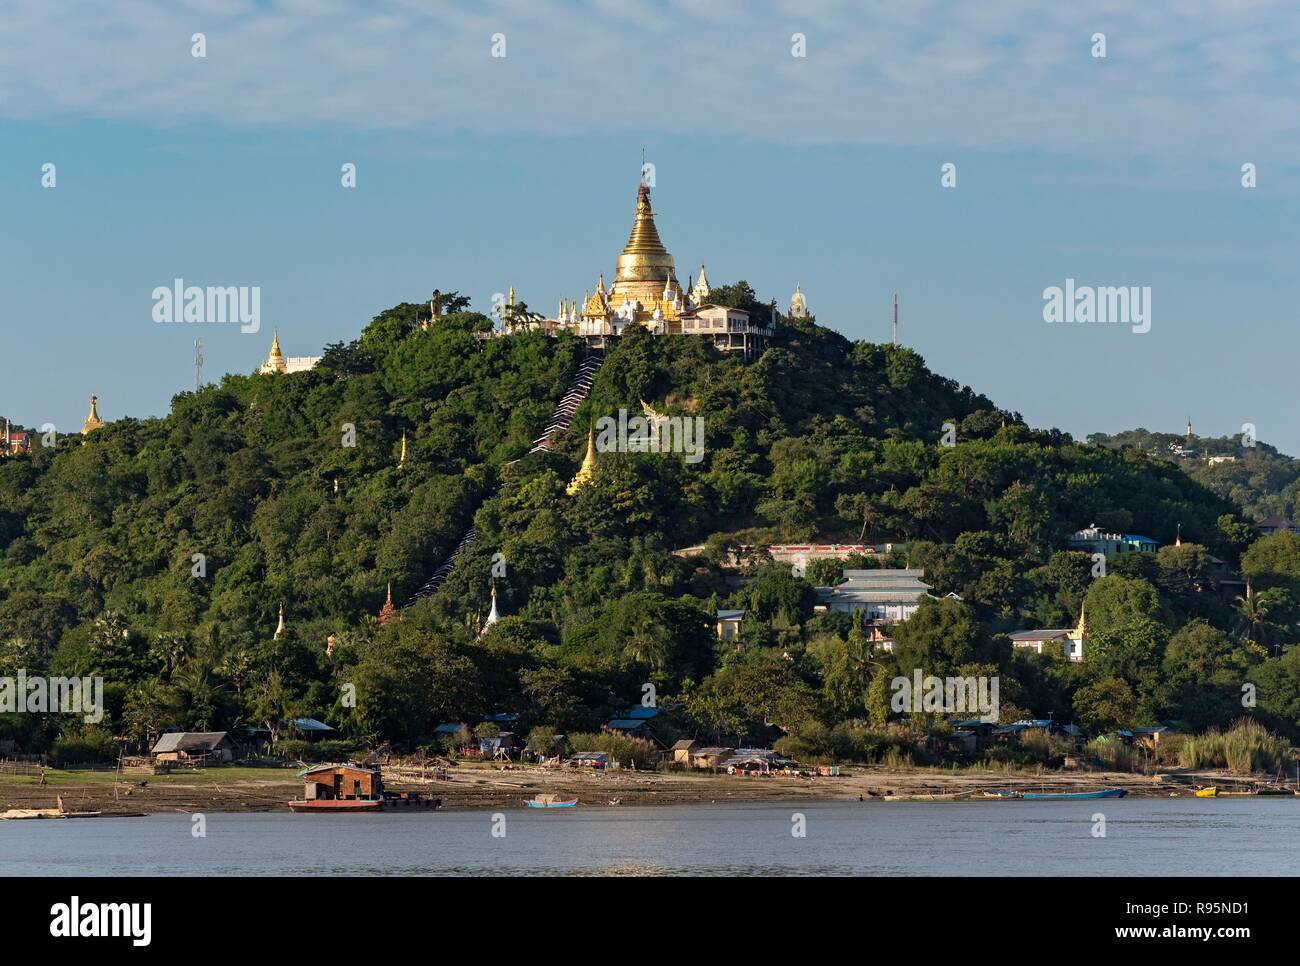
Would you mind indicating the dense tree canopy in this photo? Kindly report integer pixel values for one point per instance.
(159, 552)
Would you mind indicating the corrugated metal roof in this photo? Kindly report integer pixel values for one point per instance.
(900, 594)
(190, 741)
(309, 724)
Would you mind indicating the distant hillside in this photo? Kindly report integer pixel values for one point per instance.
(1260, 480)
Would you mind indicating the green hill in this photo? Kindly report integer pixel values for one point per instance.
(819, 438)
(1258, 478)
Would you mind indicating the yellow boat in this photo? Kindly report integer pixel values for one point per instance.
(1210, 792)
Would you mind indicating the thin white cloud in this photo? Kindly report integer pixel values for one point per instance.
(1210, 78)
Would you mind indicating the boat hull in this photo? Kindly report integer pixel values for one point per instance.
(337, 805)
(1073, 796)
(568, 804)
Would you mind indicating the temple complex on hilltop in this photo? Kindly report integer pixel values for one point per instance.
(646, 291)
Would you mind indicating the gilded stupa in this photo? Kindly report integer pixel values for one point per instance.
(92, 421)
(276, 361)
(388, 611)
(587, 468)
(645, 287)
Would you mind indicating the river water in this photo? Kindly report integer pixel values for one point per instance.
(1154, 837)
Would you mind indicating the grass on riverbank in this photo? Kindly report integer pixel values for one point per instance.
(225, 774)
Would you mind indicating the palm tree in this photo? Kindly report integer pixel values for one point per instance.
(199, 692)
(649, 643)
(1251, 616)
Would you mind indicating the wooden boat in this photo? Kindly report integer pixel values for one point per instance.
(337, 805)
(1210, 792)
(550, 801)
(1074, 796)
(389, 803)
(19, 813)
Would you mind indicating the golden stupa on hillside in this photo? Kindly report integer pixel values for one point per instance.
(92, 421)
(588, 467)
(645, 287)
(388, 611)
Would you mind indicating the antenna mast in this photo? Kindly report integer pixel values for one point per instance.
(895, 318)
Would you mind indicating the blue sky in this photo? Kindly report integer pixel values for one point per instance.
(477, 173)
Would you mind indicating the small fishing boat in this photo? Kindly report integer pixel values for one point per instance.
(17, 813)
(1074, 796)
(550, 801)
(1210, 792)
(1005, 793)
(1273, 790)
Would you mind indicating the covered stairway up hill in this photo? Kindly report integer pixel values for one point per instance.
(561, 419)
(578, 390)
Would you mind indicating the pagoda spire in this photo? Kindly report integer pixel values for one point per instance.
(644, 257)
(93, 421)
(388, 611)
(588, 467)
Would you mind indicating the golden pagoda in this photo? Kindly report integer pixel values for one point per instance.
(388, 611)
(645, 287)
(587, 468)
(275, 361)
(401, 462)
(92, 421)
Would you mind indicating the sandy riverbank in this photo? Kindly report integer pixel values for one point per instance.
(480, 785)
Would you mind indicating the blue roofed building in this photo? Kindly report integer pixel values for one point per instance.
(1094, 539)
